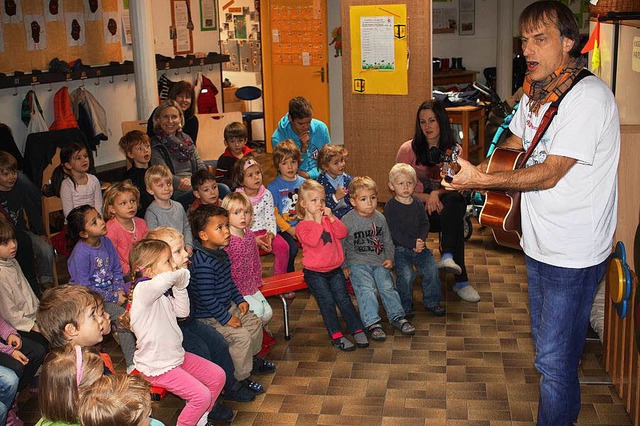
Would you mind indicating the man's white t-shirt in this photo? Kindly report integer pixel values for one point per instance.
(572, 224)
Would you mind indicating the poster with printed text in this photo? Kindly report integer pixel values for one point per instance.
(36, 32)
(75, 29)
(112, 32)
(93, 10)
(53, 10)
(377, 43)
(11, 11)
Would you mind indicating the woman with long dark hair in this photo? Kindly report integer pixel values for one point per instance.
(446, 209)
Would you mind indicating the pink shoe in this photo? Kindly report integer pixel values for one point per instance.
(12, 416)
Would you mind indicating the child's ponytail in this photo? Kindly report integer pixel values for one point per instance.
(75, 224)
(59, 173)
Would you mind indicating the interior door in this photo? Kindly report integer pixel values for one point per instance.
(295, 57)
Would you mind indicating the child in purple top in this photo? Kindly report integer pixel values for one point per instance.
(246, 270)
(94, 263)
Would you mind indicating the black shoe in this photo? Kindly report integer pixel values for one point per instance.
(243, 394)
(261, 366)
(254, 387)
(220, 413)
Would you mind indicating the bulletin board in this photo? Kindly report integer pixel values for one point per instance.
(35, 34)
(379, 55)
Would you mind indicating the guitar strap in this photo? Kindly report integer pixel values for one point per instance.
(548, 117)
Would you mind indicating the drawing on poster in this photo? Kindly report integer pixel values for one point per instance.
(93, 10)
(75, 29)
(36, 32)
(11, 11)
(111, 28)
(53, 11)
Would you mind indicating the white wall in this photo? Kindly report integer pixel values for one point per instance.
(118, 99)
(478, 51)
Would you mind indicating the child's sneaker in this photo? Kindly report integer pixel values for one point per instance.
(242, 394)
(361, 339)
(254, 387)
(261, 366)
(437, 310)
(343, 344)
(220, 413)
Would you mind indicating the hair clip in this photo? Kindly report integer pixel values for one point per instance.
(250, 162)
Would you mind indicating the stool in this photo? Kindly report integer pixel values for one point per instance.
(465, 115)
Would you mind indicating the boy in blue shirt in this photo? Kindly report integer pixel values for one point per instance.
(215, 297)
(284, 189)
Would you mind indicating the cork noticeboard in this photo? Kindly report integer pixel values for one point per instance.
(79, 32)
(376, 125)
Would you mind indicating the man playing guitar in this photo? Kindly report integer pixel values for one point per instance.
(568, 201)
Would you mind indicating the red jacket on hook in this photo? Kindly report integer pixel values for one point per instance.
(64, 118)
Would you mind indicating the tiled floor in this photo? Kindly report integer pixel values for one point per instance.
(472, 367)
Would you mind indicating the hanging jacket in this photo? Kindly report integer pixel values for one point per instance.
(64, 118)
(207, 103)
(92, 118)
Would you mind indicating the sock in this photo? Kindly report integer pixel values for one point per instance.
(460, 285)
(337, 335)
(446, 256)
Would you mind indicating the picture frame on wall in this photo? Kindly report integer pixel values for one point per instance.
(467, 17)
(208, 15)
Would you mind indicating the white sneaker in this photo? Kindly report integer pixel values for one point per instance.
(449, 265)
(468, 294)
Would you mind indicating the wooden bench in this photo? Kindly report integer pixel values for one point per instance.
(279, 285)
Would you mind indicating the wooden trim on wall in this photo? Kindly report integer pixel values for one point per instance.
(376, 125)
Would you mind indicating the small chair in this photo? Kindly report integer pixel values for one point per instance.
(50, 205)
(248, 94)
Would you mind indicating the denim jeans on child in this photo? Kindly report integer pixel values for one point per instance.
(330, 289)
(43, 252)
(366, 281)
(8, 390)
(405, 259)
(560, 302)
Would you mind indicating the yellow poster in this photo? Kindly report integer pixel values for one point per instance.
(379, 55)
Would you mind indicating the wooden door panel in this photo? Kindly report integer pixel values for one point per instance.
(295, 57)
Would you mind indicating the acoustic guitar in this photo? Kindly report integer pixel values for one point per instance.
(501, 209)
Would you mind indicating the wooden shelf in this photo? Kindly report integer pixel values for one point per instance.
(20, 79)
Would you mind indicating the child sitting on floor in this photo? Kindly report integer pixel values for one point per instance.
(320, 233)
(216, 298)
(164, 211)
(123, 227)
(137, 147)
(284, 189)
(205, 189)
(369, 259)
(409, 227)
(332, 160)
(159, 296)
(66, 373)
(235, 139)
(94, 263)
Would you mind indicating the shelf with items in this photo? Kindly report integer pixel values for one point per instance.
(36, 77)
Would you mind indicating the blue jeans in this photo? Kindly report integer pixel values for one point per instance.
(366, 281)
(330, 289)
(405, 259)
(8, 389)
(293, 250)
(206, 342)
(560, 302)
